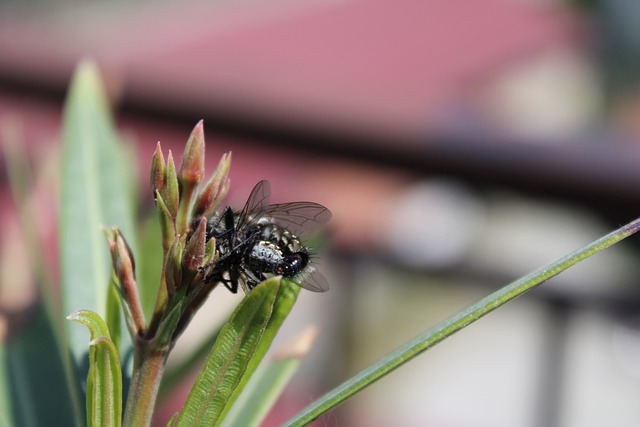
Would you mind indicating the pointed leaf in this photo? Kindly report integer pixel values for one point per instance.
(174, 419)
(113, 317)
(104, 381)
(105, 364)
(21, 176)
(97, 327)
(261, 393)
(268, 382)
(5, 399)
(38, 387)
(175, 373)
(94, 193)
(240, 347)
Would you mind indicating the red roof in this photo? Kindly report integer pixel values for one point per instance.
(375, 64)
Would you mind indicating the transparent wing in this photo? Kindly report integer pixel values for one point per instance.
(257, 202)
(314, 281)
(298, 217)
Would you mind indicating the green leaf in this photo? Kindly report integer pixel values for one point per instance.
(105, 364)
(174, 419)
(97, 327)
(176, 373)
(261, 393)
(94, 194)
(21, 180)
(104, 381)
(167, 327)
(38, 388)
(240, 347)
(113, 316)
(5, 399)
(452, 325)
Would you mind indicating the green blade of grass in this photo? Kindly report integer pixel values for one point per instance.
(104, 381)
(240, 347)
(452, 325)
(94, 194)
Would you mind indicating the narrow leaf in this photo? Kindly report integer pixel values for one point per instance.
(113, 316)
(97, 327)
(94, 194)
(5, 399)
(174, 419)
(267, 384)
(240, 347)
(105, 364)
(177, 372)
(445, 329)
(37, 383)
(261, 393)
(285, 299)
(104, 382)
(21, 180)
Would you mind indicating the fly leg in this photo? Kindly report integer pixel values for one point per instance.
(224, 239)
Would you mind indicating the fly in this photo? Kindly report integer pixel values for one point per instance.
(264, 239)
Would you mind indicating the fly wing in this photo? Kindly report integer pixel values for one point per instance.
(298, 217)
(314, 281)
(257, 202)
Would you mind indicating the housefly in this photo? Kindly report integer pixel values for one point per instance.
(264, 239)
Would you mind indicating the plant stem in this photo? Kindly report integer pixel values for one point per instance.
(148, 367)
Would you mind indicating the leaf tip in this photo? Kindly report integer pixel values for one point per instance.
(73, 316)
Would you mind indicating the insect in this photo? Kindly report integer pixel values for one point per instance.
(263, 239)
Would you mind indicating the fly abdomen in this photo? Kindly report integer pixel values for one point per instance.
(264, 257)
(293, 265)
(268, 257)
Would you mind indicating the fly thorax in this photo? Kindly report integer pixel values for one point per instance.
(270, 232)
(282, 238)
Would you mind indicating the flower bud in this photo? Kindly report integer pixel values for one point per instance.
(192, 166)
(167, 225)
(170, 193)
(215, 189)
(123, 262)
(190, 174)
(158, 171)
(209, 252)
(173, 267)
(124, 268)
(195, 249)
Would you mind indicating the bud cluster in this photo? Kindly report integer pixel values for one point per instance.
(183, 206)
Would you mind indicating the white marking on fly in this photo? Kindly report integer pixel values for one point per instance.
(266, 251)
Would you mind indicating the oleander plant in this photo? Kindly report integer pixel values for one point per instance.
(94, 348)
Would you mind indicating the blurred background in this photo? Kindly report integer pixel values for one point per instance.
(459, 143)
